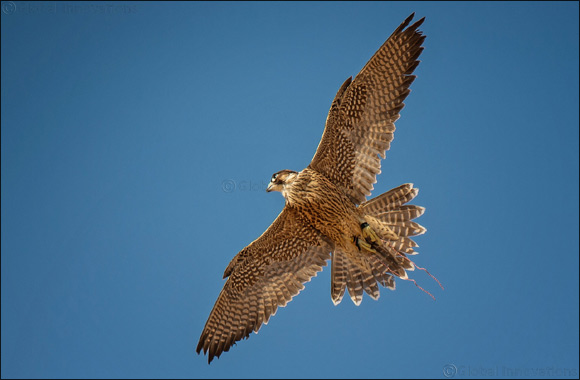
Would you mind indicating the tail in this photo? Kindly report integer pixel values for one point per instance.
(391, 219)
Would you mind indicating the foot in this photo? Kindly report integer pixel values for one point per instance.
(369, 234)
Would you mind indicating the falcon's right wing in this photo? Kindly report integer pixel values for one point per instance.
(264, 275)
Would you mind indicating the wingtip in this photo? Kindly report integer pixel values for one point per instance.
(407, 21)
(199, 345)
(420, 21)
(410, 17)
(404, 24)
(212, 356)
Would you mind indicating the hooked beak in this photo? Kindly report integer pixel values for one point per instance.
(270, 187)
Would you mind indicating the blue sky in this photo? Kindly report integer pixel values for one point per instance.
(121, 122)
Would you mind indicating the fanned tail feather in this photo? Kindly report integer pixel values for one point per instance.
(386, 214)
(356, 276)
(390, 200)
(338, 276)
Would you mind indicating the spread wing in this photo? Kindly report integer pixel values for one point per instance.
(264, 275)
(360, 123)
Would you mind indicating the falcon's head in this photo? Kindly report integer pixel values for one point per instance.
(281, 180)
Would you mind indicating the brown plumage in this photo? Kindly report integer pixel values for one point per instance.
(326, 216)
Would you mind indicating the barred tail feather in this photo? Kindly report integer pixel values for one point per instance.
(357, 276)
(401, 214)
(406, 229)
(390, 200)
(338, 276)
(354, 282)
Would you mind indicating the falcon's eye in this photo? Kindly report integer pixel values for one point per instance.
(274, 177)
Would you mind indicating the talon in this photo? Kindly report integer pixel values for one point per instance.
(355, 241)
(363, 244)
(369, 234)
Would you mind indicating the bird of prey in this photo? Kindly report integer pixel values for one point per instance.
(326, 215)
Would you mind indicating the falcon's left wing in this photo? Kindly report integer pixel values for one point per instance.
(264, 275)
(361, 120)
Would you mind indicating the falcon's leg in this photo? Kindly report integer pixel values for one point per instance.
(371, 236)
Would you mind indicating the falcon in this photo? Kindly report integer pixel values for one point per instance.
(326, 215)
